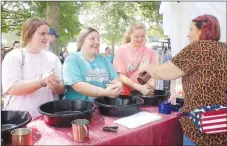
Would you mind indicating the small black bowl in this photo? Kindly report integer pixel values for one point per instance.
(153, 100)
(180, 101)
(118, 107)
(11, 120)
(175, 107)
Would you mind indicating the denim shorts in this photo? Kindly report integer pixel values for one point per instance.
(187, 141)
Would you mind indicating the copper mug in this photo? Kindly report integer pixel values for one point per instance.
(21, 136)
(143, 78)
(80, 130)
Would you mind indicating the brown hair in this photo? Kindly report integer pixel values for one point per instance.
(83, 34)
(107, 48)
(28, 29)
(134, 26)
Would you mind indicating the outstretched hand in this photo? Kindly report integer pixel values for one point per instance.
(142, 69)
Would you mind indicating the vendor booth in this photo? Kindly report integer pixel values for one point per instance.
(177, 17)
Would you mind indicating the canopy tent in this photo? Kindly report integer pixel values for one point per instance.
(8, 39)
(177, 17)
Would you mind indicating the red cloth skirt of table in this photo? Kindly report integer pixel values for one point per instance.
(166, 131)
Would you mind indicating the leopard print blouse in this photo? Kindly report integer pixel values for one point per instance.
(205, 65)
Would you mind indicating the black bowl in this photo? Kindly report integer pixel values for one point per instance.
(180, 101)
(61, 113)
(118, 107)
(12, 120)
(175, 107)
(158, 97)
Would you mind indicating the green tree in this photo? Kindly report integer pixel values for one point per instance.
(113, 18)
(13, 14)
(110, 18)
(68, 25)
(69, 21)
(150, 13)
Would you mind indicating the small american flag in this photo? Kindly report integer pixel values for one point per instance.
(210, 119)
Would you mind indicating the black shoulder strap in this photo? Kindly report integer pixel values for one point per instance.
(22, 66)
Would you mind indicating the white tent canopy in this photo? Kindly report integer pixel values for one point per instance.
(177, 17)
(8, 39)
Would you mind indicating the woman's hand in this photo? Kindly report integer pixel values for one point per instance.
(146, 89)
(165, 71)
(113, 90)
(51, 80)
(142, 68)
(117, 84)
(151, 69)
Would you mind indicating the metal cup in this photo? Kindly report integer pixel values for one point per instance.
(80, 130)
(21, 136)
(143, 78)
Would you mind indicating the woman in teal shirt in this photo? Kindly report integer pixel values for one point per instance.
(87, 74)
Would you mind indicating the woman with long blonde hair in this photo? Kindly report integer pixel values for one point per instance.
(130, 56)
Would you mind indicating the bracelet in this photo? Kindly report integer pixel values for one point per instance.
(43, 84)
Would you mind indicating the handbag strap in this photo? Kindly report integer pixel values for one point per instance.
(22, 75)
(22, 63)
(140, 60)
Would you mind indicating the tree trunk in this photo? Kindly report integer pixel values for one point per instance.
(53, 18)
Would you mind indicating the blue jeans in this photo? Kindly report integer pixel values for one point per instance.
(187, 141)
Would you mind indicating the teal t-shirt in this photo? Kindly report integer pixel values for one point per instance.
(77, 69)
(110, 57)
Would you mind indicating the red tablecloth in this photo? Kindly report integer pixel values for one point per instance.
(166, 131)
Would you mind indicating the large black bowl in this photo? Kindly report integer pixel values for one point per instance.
(117, 107)
(159, 96)
(61, 113)
(11, 120)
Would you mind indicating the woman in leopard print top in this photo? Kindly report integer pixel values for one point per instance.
(203, 68)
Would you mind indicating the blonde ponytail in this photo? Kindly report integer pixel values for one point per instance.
(127, 39)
